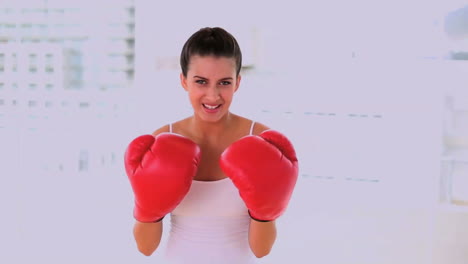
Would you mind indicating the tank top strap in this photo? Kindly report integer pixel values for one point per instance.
(251, 127)
(170, 127)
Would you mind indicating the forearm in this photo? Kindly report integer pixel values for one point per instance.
(262, 236)
(147, 236)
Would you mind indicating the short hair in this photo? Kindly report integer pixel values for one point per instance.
(214, 41)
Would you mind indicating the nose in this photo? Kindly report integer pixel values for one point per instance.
(212, 93)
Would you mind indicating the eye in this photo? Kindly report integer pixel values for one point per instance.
(200, 81)
(225, 82)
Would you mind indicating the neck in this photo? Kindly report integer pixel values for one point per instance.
(212, 130)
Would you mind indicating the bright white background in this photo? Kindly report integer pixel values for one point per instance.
(351, 84)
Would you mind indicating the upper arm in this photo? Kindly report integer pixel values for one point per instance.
(161, 130)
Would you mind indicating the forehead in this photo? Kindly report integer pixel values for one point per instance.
(213, 66)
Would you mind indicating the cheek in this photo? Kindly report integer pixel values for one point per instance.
(228, 93)
(195, 94)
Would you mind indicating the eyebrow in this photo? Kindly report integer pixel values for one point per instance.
(227, 78)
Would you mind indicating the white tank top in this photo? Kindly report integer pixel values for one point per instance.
(210, 225)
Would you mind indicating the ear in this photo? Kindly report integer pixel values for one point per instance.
(183, 81)
(238, 82)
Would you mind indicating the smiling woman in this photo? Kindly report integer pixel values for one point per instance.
(211, 83)
(223, 178)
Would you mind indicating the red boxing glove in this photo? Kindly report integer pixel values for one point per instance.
(160, 170)
(265, 169)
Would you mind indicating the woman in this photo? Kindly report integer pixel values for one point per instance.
(224, 179)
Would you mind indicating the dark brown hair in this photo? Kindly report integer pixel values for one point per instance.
(211, 42)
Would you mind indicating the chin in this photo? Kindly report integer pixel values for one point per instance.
(211, 119)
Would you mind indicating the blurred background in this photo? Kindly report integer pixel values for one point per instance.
(374, 95)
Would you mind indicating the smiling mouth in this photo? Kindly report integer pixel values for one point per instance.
(211, 107)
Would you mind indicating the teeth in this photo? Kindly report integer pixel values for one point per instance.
(211, 106)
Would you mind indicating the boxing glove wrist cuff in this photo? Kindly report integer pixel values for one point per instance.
(159, 220)
(156, 221)
(258, 220)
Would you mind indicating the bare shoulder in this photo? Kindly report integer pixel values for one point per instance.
(246, 123)
(259, 128)
(160, 130)
(177, 127)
